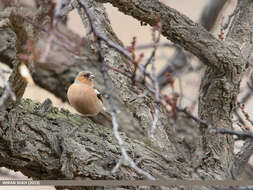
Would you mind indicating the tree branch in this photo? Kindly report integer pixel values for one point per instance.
(46, 143)
(181, 30)
(219, 88)
(241, 159)
(12, 35)
(181, 59)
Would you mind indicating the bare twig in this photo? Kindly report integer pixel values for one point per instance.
(153, 74)
(246, 97)
(54, 36)
(175, 66)
(235, 188)
(162, 99)
(99, 38)
(28, 20)
(48, 45)
(181, 93)
(160, 45)
(242, 135)
(199, 121)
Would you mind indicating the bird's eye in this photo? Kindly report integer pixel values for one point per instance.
(87, 75)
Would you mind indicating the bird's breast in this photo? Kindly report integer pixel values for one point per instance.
(84, 99)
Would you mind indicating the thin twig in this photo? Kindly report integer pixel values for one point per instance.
(153, 74)
(125, 158)
(234, 188)
(161, 45)
(242, 135)
(162, 101)
(100, 37)
(56, 37)
(199, 121)
(181, 91)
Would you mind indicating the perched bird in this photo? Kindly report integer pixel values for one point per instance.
(84, 98)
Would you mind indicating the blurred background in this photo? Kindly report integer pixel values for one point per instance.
(126, 28)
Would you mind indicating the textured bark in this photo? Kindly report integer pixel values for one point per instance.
(135, 117)
(241, 32)
(219, 89)
(180, 60)
(181, 30)
(46, 143)
(226, 63)
(241, 159)
(40, 140)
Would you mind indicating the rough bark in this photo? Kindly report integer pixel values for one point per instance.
(46, 143)
(57, 76)
(179, 63)
(225, 61)
(39, 140)
(181, 30)
(219, 89)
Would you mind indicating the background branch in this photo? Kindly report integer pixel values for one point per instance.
(180, 62)
(179, 29)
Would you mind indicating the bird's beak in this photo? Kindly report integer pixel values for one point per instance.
(92, 76)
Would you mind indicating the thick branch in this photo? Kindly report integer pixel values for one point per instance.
(241, 159)
(140, 108)
(241, 32)
(135, 113)
(180, 60)
(46, 143)
(181, 30)
(219, 89)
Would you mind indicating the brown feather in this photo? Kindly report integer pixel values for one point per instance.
(84, 99)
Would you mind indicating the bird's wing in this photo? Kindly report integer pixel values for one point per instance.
(99, 95)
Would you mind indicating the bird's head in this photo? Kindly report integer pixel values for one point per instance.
(85, 77)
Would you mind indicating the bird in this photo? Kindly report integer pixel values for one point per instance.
(85, 99)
